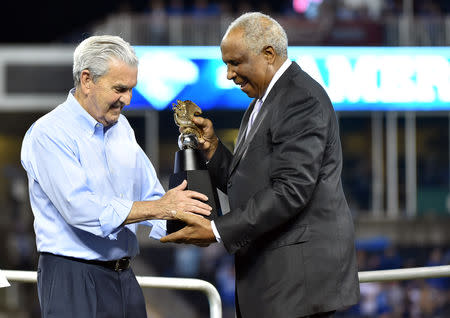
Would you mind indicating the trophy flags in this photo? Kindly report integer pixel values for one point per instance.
(189, 162)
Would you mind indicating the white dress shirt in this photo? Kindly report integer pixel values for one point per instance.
(83, 180)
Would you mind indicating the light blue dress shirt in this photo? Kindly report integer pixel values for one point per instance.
(83, 181)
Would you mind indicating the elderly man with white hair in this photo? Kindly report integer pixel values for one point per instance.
(90, 185)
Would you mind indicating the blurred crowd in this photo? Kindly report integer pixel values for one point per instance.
(309, 9)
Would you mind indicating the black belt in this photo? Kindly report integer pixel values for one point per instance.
(117, 265)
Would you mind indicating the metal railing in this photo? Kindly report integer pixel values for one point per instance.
(215, 304)
(404, 273)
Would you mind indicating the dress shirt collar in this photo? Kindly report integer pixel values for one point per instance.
(83, 118)
(275, 78)
(86, 121)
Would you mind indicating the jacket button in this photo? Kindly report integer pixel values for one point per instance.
(229, 184)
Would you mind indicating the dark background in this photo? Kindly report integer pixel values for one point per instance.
(59, 21)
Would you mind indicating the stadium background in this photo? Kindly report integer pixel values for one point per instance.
(393, 231)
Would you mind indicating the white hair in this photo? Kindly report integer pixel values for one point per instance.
(95, 53)
(261, 30)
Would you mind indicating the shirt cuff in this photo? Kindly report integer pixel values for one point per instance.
(111, 219)
(159, 229)
(216, 233)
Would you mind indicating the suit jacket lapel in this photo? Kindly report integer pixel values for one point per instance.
(241, 136)
(259, 118)
(243, 127)
(242, 142)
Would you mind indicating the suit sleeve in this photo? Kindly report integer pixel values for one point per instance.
(299, 132)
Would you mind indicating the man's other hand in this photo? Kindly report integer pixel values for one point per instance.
(208, 143)
(197, 231)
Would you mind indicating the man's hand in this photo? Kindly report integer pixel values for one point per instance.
(180, 200)
(209, 141)
(175, 200)
(197, 231)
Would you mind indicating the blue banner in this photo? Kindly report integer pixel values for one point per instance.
(356, 78)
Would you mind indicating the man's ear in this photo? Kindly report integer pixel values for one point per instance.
(269, 54)
(86, 81)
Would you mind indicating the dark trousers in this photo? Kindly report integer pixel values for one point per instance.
(72, 289)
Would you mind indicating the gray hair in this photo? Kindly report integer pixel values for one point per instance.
(261, 30)
(95, 53)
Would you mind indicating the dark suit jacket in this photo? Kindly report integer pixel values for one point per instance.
(289, 224)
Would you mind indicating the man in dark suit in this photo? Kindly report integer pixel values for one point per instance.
(289, 224)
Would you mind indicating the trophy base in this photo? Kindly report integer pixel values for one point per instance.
(197, 180)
